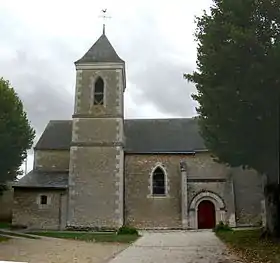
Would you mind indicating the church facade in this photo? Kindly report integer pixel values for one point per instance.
(100, 170)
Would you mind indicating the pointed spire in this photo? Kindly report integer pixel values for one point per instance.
(101, 51)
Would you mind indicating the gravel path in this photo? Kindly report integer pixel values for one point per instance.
(176, 247)
(54, 250)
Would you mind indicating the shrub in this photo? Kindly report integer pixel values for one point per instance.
(126, 230)
(18, 227)
(221, 227)
(89, 229)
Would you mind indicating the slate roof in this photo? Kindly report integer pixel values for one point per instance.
(101, 51)
(39, 179)
(56, 136)
(141, 136)
(162, 136)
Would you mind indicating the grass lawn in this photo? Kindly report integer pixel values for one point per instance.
(90, 236)
(5, 225)
(2, 239)
(248, 245)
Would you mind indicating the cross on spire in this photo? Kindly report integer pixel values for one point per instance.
(104, 16)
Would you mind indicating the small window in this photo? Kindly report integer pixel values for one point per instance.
(43, 200)
(99, 92)
(158, 182)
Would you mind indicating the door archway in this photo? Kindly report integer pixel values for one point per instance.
(206, 215)
(216, 200)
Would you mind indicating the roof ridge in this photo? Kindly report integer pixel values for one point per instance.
(60, 120)
(142, 119)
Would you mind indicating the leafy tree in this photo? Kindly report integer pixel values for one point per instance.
(238, 83)
(16, 134)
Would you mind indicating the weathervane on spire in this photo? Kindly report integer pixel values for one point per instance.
(104, 16)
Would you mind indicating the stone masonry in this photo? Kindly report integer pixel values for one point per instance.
(29, 212)
(203, 174)
(101, 171)
(96, 155)
(52, 160)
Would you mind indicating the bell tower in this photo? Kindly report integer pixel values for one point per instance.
(96, 172)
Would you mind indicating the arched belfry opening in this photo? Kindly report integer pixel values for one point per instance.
(158, 182)
(99, 92)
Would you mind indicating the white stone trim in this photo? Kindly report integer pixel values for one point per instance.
(119, 129)
(119, 201)
(79, 74)
(209, 196)
(166, 181)
(184, 199)
(104, 65)
(75, 129)
(71, 185)
(38, 201)
(206, 196)
(120, 90)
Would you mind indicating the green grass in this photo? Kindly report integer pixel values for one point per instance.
(90, 236)
(2, 239)
(248, 245)
(5, 225)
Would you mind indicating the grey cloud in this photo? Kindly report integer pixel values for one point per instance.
(45, 102)
(43, 85)
(162, 84)
(42, 70)
(153, 69)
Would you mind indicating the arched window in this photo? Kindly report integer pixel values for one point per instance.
(99, 92)
(158, 181)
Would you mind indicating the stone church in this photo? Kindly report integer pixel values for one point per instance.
(100, 170)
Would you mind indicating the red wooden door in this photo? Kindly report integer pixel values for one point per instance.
(206, 215)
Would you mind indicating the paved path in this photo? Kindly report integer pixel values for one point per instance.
(176, 247)
(54, 250)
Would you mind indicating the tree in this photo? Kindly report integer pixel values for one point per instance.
(16, 134)
(238, 84)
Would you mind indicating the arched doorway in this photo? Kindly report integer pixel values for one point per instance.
(206, 215)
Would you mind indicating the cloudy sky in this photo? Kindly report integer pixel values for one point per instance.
(40, 40)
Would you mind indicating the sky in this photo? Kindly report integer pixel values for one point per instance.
(40, 40)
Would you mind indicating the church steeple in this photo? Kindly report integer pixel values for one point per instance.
(101, 51)
(96, 168)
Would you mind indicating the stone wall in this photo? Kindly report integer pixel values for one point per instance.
(97, 157)
(202, 166)
(28, 211)
(95, 187)
(221, 189)
(248, 197)
(51, 160)
(145, 211)
(113, 93)
(6, 204)
(95, 130)
(141, 209)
